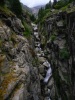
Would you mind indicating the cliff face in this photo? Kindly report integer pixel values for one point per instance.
(60, 51)
(19, 78)
(42, 67)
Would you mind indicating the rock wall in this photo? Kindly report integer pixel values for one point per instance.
(19, 79)
(60, 52)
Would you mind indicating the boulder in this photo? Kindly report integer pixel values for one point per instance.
(60, 23)
(41, 69)
(41, 59)
(46, 64)
(50, 83)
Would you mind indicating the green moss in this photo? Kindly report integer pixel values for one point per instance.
(68, 9)
(4, 10)
(7, 79)
(1, 42)
(28, 29)
(52, 37)
(64, 54)
(64, 8)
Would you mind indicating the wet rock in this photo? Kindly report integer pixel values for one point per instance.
(41, 59)
(50, 83)
(52, 93)
(41, 69)
(47, 98)
(41, 77)
(46, 64)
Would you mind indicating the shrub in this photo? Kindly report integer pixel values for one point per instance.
(28, 29)
(64, 54)
(52, 37)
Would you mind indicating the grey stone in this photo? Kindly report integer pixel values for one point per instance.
(41, 77)
(41, 59)
(60, 23)
(41, 69)
(50, 83)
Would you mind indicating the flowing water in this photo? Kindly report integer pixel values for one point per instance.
(40, 53)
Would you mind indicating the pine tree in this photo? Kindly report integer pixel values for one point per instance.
(54, 3)
(49, 5)
(41, 13)
(2, 2)
(32, 17)
(16, 7)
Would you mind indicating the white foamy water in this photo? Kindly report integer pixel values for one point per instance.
(40, 53)
(48, 75)
(47, 64)
(35, 33)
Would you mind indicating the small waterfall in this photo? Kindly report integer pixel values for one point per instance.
(40, 53)
(48, 75)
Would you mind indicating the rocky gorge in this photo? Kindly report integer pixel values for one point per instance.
(41, 66)
(57, 38)
(19, 79)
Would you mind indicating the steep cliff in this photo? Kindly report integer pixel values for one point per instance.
(37, 65)
(19, 79)
(57, 34)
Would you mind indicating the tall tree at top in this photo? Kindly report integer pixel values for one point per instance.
(16, 7)
(2, 2)
(54, 3)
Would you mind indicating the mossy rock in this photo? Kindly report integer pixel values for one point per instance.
(64, 54)
(5, 11)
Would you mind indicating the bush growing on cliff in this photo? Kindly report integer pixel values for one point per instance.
(64, 54)
(52, 37)
(49, 5)
(28, 29)
(62, 3)
(32, 17)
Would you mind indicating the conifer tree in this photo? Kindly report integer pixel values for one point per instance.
(16, 7)
(54, 3)
(2, 2)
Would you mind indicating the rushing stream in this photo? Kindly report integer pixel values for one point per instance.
(40, 53)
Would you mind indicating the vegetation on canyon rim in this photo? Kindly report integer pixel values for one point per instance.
(30, 52)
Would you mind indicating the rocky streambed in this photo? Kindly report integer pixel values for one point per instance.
(45, 71)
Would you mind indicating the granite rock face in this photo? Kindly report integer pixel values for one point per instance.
(60, 52)
(19, 78)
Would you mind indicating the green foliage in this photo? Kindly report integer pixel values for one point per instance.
(15, 6)
(6, 11)
(2, 2)
(52, 37)
(49, 5)
(64, 54)
(59, 4)
(54, 3)
(28, 29)
(71, 1)
(43, 14)
(62, 3)
(32, 17)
